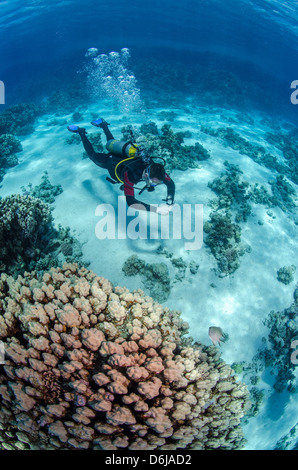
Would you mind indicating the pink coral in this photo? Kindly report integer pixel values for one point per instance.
(89, 366)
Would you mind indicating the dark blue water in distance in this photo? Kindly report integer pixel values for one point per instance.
(221, 73)
(257, 40)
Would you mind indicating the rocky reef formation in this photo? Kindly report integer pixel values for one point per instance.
(92, 366)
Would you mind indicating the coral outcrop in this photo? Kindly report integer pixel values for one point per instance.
(9, 147)
(168, 145)
(285, 274)
(274, 357)
(223, 238)
(19, 119)
(24, 224)
(28, 238)
(155, 276)
(45, 191)
(92, 366)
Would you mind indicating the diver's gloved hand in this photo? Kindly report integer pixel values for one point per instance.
(163, 209)
(169, 200)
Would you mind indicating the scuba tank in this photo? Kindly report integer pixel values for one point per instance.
(121, 148)
(128, 150)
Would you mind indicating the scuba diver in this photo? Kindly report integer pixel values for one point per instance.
(126, 164)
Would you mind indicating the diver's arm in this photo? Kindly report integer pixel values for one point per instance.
(170, 188)
(130, 197)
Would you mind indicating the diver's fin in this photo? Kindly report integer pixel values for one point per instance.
(76, 129)
(99, 122)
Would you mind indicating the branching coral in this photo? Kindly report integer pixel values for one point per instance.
(89, 366)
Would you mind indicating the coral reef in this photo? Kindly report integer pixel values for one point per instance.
(181, 266)
(45, 191)
(274, 355)
(236, 194)
(256, 152)
(234, 198)
(25, 223)
(285, 274)
(179, 263)
(29, 239)
(283, 194)
(276, 350)
(65, 99)
(286, 143)
(9, 146)
(19, 119)
(168, 145)
(289, 441)
(223, 238)
(155, 276)
(92, 366)
(232, 192)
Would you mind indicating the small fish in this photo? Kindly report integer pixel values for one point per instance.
(217, 335)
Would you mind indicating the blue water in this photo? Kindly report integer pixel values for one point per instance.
(46, 41)
(239, 56)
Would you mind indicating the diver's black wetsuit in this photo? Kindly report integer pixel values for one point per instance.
(131, 175)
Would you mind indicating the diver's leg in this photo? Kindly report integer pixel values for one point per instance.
(100, 122)
(87, 144)
(108, 134)
(100, 159)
